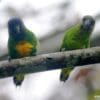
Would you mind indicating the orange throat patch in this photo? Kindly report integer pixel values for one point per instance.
(24, 48)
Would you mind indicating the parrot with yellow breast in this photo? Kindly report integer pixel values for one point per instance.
(21, 43)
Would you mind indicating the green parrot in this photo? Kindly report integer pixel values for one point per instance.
(76, 37)
(21, 43)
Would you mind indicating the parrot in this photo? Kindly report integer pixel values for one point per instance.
(21, 43)
(76, 37)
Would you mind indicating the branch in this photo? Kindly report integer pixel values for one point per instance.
(50, 61)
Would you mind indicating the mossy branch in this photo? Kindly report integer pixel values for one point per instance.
(50, 61)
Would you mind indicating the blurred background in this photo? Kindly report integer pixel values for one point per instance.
(48, 19)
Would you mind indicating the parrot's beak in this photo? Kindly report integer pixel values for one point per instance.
(88, 24)
(18, 29)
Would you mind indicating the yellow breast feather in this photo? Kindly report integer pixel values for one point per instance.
(24, 48)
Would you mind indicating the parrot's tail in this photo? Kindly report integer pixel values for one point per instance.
(18, 79)
(65, 73)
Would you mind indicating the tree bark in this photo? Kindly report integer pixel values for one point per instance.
(50, 61)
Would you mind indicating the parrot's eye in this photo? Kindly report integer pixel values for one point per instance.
(92, 22)
(84, 19)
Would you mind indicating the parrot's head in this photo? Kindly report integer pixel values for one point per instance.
(16, 27)
(88, 23)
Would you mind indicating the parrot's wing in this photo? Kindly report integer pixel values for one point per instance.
(33, 39)
(68, 36)
(11, 48)
(64, 47)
